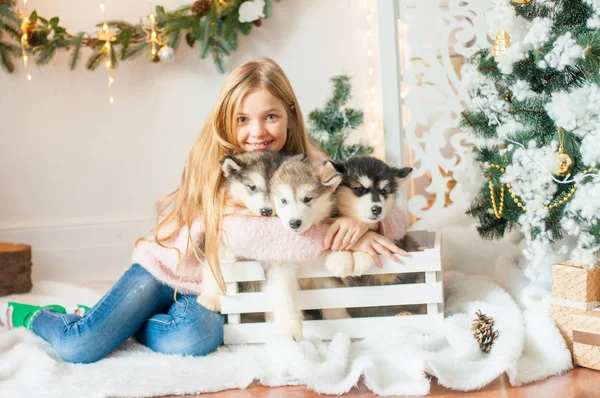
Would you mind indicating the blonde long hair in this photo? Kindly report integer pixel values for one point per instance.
(199, 194)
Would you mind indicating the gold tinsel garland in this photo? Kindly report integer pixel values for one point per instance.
(499, 210)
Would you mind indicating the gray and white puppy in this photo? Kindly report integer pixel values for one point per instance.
(248, 176)
(247, 182)
(368, 193)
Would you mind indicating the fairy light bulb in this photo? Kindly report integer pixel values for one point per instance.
(24, 36)
(372, 90)
(107, 45)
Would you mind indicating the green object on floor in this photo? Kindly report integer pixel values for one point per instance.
(22, 314)
(82, 310)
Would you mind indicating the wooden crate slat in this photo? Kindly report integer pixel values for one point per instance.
(250, 333)
(253, 271)
(345, 297)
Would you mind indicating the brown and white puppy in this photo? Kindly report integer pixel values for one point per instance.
(304, 195)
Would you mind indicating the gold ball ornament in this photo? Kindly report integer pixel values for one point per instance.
(565, 163)
(522, 1)
(501, 43)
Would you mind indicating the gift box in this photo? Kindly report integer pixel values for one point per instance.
(574, 289)
(586, 339)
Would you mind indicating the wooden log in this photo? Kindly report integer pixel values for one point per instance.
(15, 268)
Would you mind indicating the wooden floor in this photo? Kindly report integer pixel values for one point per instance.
(580, 383)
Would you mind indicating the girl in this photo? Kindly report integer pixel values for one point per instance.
(155, 300)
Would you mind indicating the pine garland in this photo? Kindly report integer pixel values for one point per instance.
(214, 24)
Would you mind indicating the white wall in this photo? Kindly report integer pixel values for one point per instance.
(80, 176)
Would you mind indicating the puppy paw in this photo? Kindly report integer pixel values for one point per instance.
(340, 263)
(211, 303)
(335, 313)
(362, 263)
(404, 313)
(291, 328)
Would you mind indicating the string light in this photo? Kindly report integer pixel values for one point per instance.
(24, 37)
(372, 91)
(153, 36)
(373, 126)
(107, 36)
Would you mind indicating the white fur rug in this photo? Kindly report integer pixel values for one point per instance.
(392, 362)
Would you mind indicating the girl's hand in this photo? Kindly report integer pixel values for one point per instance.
(344, 233)
(375, 244)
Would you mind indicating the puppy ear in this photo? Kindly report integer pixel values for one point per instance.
(339, 167)
(229, 165)
(403, 173)
(329, 176)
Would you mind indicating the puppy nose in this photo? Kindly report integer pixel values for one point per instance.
(376, 210)
(266, 212)
(295, 224)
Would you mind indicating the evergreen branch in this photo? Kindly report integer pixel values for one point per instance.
(174, 39)
(571, 13)
(76, 50)
(341, 91)
(125, 40)
(354, 118)
(12, 30)
(136, 51)
(44, 54)
(5, 57)
(590, 41)
(477, 123)
(95, 59)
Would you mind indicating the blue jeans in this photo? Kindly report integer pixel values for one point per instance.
(138, 305)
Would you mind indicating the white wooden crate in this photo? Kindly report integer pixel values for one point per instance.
(429, 293)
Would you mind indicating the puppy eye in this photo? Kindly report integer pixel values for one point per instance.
(252, 187)
(284, 201)
(307, 199)
(382, 191)
(360, 190)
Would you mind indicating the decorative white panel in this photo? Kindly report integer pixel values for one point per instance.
(435, 39)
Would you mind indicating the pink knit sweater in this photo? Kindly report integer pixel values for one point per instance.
(258, 238)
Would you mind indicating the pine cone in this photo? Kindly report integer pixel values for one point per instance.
(33, 40)
(483, 331)
(257, 23)
(201, 7)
